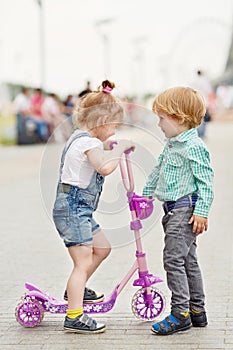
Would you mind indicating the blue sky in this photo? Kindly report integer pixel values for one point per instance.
(150, 44)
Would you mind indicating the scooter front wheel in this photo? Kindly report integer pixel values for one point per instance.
(29, 312)
(147, 309)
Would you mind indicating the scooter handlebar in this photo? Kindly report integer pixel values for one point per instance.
(128, 151)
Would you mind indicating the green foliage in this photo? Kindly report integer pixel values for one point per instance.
(7, 130)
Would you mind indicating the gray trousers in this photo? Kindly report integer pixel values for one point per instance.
(180, 261)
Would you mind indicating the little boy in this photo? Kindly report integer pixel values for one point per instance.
(183, 181)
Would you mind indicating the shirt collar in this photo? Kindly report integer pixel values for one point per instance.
(185, 136)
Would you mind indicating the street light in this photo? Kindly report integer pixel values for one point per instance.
(139, 58)
(106, 44)
(42, 45)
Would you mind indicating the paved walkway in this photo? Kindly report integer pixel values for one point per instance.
(31, 251)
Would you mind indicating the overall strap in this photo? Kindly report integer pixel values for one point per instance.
(67, 146)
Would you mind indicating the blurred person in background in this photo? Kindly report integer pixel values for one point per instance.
(68, 107)
(22, 103)
(224, 94)
(86, 90)
(29, 128)
(52, 113)
(203, 85)
(22, 111)
(36, 102)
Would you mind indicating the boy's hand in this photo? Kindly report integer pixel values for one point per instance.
(200, 224)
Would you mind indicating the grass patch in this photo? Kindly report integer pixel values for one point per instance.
(7, 129)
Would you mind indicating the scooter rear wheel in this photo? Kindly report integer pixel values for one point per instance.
(147, 311)
(29, 312)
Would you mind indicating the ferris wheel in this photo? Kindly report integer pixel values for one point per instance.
(202, 44)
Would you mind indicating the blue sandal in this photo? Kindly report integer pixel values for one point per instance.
(172, 324)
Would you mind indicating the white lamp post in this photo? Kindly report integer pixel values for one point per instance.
(139, 58)
(106, 44)
(42, 45)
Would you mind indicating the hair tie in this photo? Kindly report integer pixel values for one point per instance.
(107, 89)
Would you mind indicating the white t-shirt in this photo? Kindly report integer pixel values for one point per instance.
(21, 103)
(77, 170)
(50, 105)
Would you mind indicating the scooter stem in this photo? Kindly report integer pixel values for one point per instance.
(127, 178)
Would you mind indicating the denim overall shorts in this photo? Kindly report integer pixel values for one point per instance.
(73, 208)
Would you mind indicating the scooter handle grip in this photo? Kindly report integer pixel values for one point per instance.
(112, 144)
(128, 151)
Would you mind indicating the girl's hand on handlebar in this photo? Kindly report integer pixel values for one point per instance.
(109, 144)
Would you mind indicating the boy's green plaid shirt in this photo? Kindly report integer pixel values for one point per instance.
(183, 168)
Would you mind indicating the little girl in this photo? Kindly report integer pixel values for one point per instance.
(84, 164)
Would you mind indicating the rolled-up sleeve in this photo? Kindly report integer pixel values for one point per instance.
(204, 177)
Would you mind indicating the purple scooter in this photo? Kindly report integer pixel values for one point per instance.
(147, 303)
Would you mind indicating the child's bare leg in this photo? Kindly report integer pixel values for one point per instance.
(101, 249)
(82, 259)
